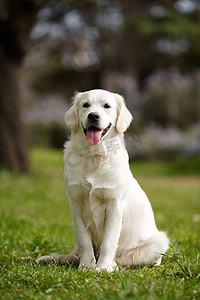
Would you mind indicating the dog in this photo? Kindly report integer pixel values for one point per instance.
(112, 217)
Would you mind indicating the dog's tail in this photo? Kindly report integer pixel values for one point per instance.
(146, 252)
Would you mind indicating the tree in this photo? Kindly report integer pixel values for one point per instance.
(16, 20)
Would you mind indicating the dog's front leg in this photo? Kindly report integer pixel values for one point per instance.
(83, 236)
(113, 225)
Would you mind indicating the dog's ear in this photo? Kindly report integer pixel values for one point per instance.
(71, 116)
(124, 116)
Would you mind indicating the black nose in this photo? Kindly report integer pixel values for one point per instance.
(93, 117)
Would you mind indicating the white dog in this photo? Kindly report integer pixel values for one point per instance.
(112, 216)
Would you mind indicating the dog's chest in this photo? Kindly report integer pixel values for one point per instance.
(93, 184)
(94, 211)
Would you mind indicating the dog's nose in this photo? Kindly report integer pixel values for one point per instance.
(93, 117)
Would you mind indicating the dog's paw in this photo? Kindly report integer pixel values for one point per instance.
(84, 266)
(108, 268)
(58, 258)
(70, 258)
(45, 258)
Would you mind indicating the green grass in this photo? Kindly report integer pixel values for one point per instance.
(35, 220)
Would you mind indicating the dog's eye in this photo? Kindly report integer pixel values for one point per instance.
(86, 104)
(106, 105)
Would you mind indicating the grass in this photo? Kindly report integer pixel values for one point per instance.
(35, 220)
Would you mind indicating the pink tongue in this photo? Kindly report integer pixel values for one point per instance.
(93, 135)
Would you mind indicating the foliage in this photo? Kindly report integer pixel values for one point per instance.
(156, 142)
(48, 135)
(119, 36)
(182, 166)
(171, 98)
(35, 220)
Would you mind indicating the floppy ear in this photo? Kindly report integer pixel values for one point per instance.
(71, 116)
(124, 116)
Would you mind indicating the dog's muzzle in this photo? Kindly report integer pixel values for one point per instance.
(94, 134)
(93, 118)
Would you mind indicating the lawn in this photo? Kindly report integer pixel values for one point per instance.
(35, 220)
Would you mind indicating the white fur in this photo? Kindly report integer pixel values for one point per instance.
(112, 216)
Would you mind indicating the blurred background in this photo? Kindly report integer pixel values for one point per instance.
(148, 51)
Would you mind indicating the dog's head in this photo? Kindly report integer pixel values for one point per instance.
(98, 112)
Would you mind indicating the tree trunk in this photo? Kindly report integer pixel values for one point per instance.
(13, 141)
(16, 20)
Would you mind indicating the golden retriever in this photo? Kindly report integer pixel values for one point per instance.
(112, 216)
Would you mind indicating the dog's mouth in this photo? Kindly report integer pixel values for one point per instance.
(95, 134)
